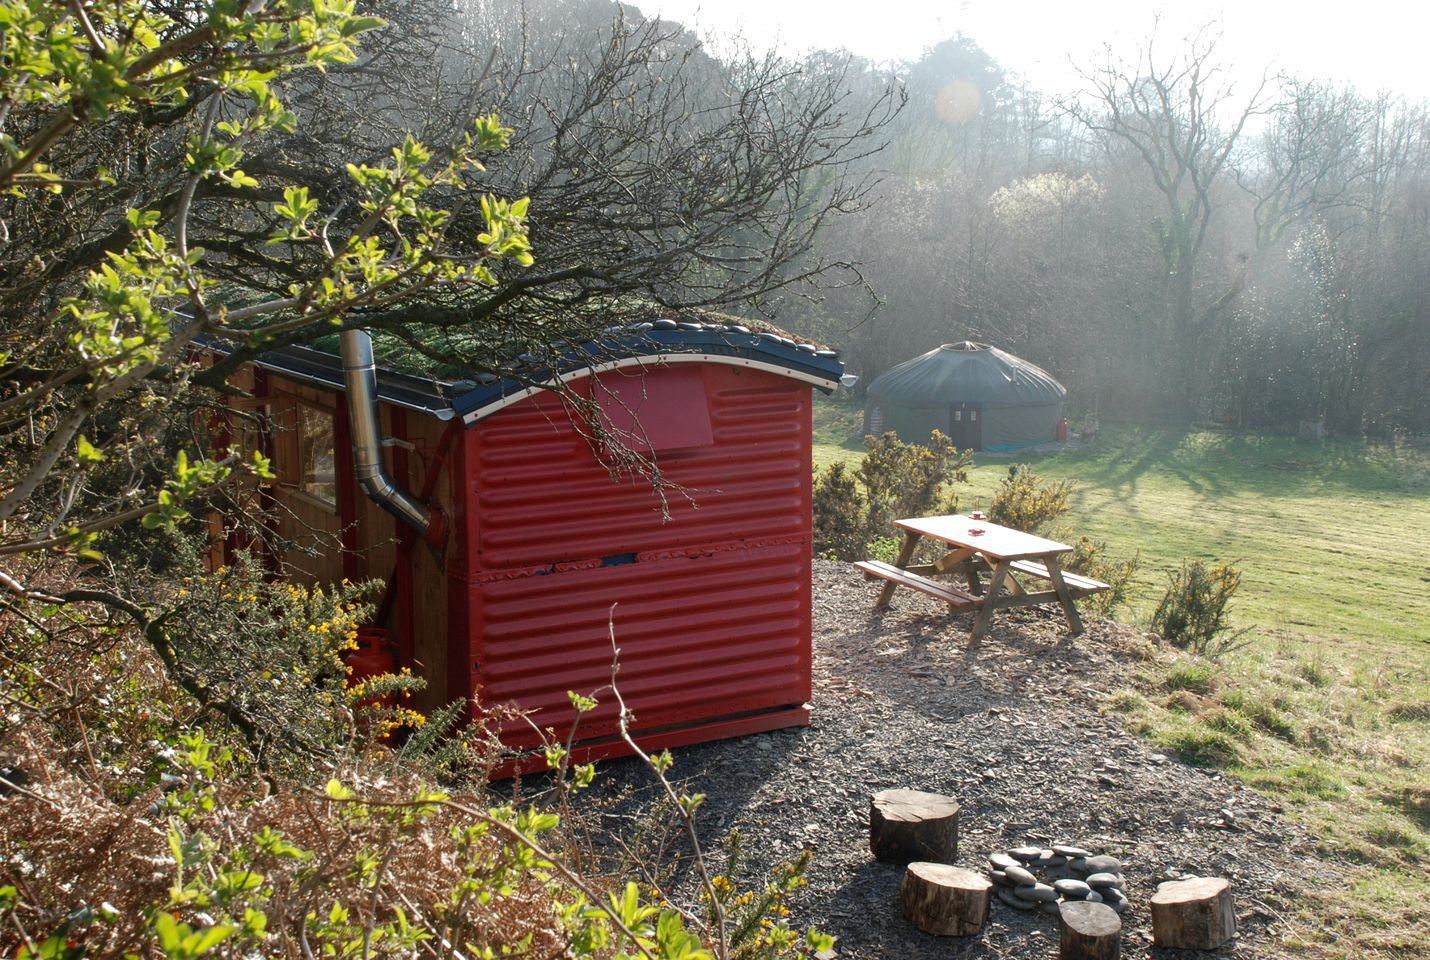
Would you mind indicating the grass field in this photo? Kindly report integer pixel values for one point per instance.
(1327, 706)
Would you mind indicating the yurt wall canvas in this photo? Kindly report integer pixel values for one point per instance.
(981, 397)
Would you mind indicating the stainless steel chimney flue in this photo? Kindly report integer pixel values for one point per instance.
(360, 376)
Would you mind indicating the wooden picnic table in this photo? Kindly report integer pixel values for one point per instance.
(981, 548)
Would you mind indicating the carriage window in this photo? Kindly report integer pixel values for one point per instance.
(317, 475)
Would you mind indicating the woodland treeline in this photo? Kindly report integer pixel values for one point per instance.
(1169, 244)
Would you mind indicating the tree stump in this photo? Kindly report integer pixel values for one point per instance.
(948, 901)
(1194, 914)
(1090, 931)
(908, 825)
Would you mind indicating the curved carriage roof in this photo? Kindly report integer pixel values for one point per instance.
(651, 343)
(966, 373)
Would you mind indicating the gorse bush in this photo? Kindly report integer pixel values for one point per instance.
(1090, 558)
(840, 514)
(755, 920)
(267, 658)
(1025, 501)
(910, 479)
(1193, 612)
(894, 480)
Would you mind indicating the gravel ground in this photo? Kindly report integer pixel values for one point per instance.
(1012, 730)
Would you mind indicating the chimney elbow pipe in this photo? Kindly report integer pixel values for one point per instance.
(360, 377)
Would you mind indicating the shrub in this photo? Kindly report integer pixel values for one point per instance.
(884, 548)
(355, 868)
(839, 514)
(909, 479)
(1025, 501)
(1193, 612)
(267, 656)
(356, 855)
(1090, 558)
(853, 510)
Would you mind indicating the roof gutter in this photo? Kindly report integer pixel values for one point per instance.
(360, 378)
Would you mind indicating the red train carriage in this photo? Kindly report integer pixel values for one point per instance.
(511, 547)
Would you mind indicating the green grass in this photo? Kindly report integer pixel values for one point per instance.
(1198, 676)
(1327, 707)
(1333, 538)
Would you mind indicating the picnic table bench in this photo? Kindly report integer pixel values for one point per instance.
(982, 549)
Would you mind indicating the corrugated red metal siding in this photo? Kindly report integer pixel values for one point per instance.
(712, 606)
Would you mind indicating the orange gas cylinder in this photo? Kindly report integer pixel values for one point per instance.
(373, 657)
(1062, 429)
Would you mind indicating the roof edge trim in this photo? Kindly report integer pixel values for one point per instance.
(648, 360)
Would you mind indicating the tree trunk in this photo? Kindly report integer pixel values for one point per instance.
(1193, 914)
(1090, 931)
(908, 825)
(944, 900)
(1185, 347)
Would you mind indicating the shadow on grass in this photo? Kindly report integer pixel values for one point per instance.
(1214, 463)
(1208, 463)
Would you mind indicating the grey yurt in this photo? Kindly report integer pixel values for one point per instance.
(979, 396)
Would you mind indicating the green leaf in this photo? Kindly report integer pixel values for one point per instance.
(167, 928)
(356, 25)
(199, 943)
(88, 452)
(234, 882)
(263, 466)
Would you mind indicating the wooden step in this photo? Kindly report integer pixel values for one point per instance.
(1076, 582)
(934, 588)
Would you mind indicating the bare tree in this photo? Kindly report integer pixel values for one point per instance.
(659, 176)
(1311, 157)
(1182, 120)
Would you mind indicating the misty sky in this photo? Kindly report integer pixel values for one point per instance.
(1375, 45)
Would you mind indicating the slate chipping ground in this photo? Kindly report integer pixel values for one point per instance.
(1011, 729)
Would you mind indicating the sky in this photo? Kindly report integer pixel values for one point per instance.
(1374, 45)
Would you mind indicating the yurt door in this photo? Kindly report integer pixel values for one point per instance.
(965, 426)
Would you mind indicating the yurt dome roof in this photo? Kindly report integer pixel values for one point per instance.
(967, 372)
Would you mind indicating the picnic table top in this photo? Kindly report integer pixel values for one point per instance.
(1003, 543)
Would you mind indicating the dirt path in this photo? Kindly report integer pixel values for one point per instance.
(1013, 731)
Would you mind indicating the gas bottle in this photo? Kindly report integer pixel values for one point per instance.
(1062, 429)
